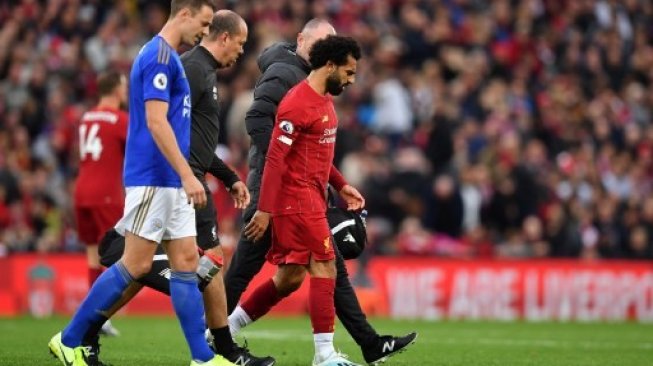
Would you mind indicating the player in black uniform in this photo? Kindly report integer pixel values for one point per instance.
(220, 49)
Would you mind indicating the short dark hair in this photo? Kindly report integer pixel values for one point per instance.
(225, 21)
(108, 81)
(336, 49)
(193, 5)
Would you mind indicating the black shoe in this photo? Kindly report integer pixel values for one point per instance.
(93, 352)
(387, 346)
(242, 357)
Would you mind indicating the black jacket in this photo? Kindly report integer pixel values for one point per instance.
(282, 69)
(200, 68)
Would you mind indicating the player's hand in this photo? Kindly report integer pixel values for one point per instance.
(194, 191)
(352, 197)
(240, 194)
(257, 225)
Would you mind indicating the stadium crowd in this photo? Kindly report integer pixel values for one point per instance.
(505, 128)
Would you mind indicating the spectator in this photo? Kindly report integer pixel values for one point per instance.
(532, 117)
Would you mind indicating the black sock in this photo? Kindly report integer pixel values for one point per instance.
(222, 341)
(93, 332)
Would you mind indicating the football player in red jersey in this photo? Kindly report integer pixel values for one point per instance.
(298, 168)
(99, 197)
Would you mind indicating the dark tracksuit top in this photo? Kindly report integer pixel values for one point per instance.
(282, 69)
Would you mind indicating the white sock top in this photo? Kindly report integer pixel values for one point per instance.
(238, 320)
(323, 346)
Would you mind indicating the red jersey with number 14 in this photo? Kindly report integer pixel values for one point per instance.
(102, 133)
(299, 162)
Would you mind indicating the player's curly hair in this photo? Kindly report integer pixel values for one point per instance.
(335, 49)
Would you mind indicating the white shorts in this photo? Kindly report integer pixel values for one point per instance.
(157, 213)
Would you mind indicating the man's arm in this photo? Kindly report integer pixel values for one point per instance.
(158, 75)
(156, 112)
(223, 172)
(280, 145)
(275, 166)
(349, 194)
(271, 88)
(237, 189)
(336, 180)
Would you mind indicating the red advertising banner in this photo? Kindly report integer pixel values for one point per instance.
(45, 284)
(509, 290)
(419, 288)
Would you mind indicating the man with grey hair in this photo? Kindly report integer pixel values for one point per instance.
(283, 66)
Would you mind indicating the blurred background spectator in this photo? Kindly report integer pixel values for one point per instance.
(505, 128)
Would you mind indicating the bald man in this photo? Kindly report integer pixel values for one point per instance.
(284, 65)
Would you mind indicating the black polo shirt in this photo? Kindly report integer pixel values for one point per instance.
(200, 67)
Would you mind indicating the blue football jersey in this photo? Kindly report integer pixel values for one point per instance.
(157, 74)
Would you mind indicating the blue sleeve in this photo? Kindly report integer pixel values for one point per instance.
(157, 73)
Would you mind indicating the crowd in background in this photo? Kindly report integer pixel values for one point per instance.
(504, 128)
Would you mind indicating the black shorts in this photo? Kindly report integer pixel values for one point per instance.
(111, 248)
(206, 223)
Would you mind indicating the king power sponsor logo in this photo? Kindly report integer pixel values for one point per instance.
(509, 294)
(187, 106)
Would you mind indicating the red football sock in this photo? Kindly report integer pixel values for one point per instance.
(320, 304)
(93, 274)
(262, 300)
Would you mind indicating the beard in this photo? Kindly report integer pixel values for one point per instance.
(333, 85)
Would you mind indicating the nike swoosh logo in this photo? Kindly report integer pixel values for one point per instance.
(63, 355)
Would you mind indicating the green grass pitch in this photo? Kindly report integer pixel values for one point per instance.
(158, 341)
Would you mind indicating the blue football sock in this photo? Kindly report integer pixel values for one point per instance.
(106, 291)
(188, 304)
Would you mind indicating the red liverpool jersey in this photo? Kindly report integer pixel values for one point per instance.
(102, 133)
(299, 161)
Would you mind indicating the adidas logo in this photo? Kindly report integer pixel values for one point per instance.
(165, 273)
(388, 346)
(349, 238)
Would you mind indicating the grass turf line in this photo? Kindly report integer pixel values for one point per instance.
(158, 341)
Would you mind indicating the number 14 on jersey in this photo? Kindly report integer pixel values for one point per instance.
(89, 141)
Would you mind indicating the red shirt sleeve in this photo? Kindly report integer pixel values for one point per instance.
(286, 129)
(336, 179)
